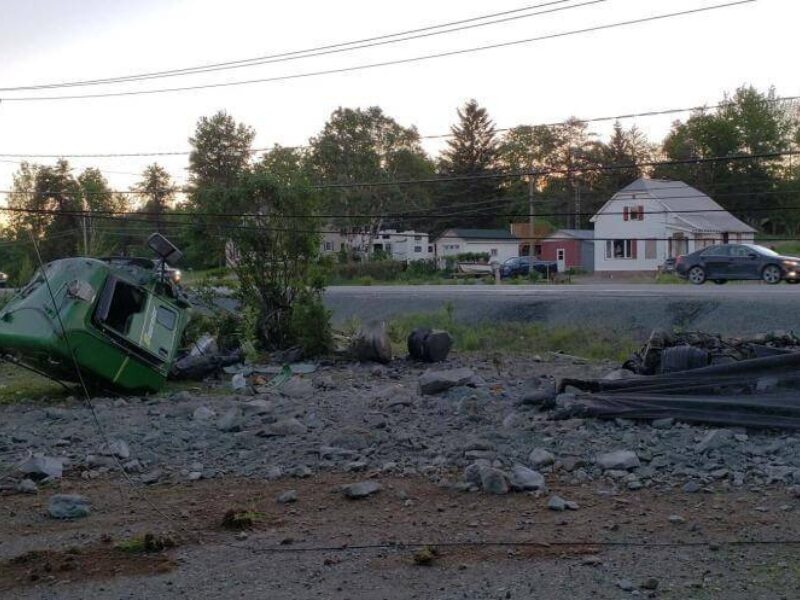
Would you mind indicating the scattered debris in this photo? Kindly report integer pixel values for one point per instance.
(68, 506)
(429, 345)
(372, 344)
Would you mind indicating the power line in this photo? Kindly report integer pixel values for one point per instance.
(512, 174)
(363, 67)
(413, 34)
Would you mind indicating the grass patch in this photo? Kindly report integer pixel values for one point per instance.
(516, 337)
(669, 278)
(17, 384)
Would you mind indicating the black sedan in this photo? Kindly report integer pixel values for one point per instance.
(726, 262)
(523, 265)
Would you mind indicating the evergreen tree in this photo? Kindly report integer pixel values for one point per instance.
(472, 152)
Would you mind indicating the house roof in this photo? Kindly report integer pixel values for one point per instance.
(579, 234)
(480, 234)
(677, 196)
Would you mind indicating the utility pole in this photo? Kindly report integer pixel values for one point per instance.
(531, 233)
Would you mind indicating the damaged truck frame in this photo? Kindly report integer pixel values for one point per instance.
(115, 324)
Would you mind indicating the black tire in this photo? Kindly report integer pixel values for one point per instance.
(696, 275)
(720, 281)
(793, 281)
(771, 274)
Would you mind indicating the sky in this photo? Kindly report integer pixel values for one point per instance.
(685, 61)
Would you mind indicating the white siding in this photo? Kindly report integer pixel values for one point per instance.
(611, 225)
(498, 250)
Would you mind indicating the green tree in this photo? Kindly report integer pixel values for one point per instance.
(366, 145)
(625, 147)
(286, 164)
(158, 192)
(103, 206)
(275, 252)
(747, 123)
(472, 153)
(221, 150)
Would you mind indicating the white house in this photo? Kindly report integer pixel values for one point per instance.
(405, 246)
(498, 244)
(653, 219)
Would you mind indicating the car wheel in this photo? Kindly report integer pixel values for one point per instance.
(771, 274)
(720, 281)
(697, 275)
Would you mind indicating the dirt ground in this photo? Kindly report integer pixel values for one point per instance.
(720, 545)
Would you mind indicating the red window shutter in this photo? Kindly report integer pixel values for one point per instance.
(641, 212)
(625, 214)
(633, 248)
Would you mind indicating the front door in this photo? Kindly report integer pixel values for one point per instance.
(561, 259)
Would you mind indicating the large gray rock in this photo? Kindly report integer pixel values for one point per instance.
(43, 467)
(287, 497)
(621, 460)
(434, 382)
(474, 471)
(68, 506)
(372, 344)
(523, 478)
(539, 457)
(494, 481)
(362, 489)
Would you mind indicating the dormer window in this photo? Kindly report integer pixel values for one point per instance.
(633, 213)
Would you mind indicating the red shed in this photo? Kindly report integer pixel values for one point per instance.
(570, 248)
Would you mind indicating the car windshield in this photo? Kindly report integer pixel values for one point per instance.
(762, 250)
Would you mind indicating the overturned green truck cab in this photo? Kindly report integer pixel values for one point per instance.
(122, 321)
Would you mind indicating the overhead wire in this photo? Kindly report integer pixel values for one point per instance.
(388, 39)
(367, 66)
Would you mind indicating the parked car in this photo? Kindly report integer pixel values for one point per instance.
(523, 265)
(726, 262)
(3, 280)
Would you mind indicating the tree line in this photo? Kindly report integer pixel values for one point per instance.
(366, 145)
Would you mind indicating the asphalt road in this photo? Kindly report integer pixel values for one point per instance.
(730, 309)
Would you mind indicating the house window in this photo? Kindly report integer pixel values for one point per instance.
(328, 246)
(650, 249)
(633, 213)
(417, 249)
(386, 236)
(619, 249)
(430, 249)
(494, 252)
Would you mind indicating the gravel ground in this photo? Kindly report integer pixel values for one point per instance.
(476, 462)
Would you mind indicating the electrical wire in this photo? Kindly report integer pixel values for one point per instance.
(362, 67)
(320, 51)
(514, 174)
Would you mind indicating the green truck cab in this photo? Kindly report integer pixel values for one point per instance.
(122, 322)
